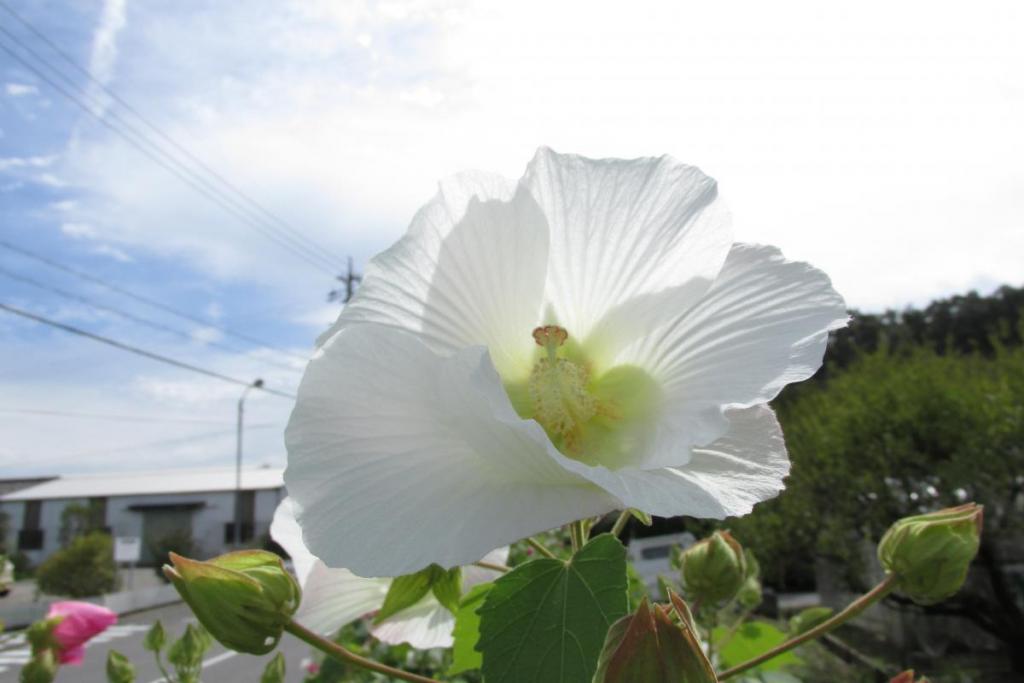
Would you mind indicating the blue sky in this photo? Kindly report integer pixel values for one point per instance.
(880, 142)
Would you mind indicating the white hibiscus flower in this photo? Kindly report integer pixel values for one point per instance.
(533, 353)
(332, 598)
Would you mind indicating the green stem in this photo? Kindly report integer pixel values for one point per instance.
(493, 566)
(576, 534)
(335, 650)
(620, 523)
(852, 610)
(541, 548)
(160, 666)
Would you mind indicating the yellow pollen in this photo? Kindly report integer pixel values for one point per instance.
(558, 391)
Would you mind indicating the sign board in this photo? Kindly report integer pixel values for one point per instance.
(127, 549)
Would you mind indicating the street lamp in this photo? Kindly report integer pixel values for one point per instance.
(236, 535)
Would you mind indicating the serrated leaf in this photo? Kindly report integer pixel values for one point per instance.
(545, 621)
(447, 588)
(466, 633)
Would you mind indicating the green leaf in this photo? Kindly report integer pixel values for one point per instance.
(641, 516)
(274, 673)
(751, 639)
(467, 630)
(406, 591)
(447, 588)
(545, 621)
(808, 619)
(155, 638)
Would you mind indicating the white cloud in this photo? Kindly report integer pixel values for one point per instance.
(79, 230)
(20, 89)
(205, 335)
(103, 57)
(30, 162)
(119, 255)
(830, 132)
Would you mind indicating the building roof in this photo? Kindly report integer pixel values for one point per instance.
(149, 483)
(18, 483)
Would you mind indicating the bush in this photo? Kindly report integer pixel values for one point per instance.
(85, 568)
(179, 542)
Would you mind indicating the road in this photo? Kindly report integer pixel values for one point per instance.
(221, 666)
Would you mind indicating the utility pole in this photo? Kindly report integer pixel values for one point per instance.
(236, 535)
(350, 279)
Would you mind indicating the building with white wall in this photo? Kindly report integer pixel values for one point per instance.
(149, 505)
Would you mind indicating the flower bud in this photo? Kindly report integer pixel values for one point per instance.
(714, 568)
(244, 599)
(930, 554)
(647, 647)
(42, 668)
(119, 668)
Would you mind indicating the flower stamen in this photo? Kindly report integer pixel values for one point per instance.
(558, 390)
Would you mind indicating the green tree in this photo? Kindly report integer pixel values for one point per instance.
(897, 434)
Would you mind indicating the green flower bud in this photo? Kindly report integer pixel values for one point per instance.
(42, 668)
(155, 638)
(647, 647)
(244, 599)
(119, 669)
(40, 635)
(930, 554)
(750, 595)
(274, 673)
(714, 568)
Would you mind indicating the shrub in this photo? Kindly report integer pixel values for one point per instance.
(85, 568)
(179, 542)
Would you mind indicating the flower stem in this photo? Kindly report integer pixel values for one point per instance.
(577, 536)
(541, 548)
(620, 523)
(335, 650)
(852, 610)
(160, 666)
(493, 566)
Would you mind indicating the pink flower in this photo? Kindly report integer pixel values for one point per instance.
(311, 667)
(79, 622)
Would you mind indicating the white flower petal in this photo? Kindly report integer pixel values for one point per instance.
(763, 324)
(287, 533)
(724, 479)
(470, 271)
(399, 458)
(424, 625)
(332, 598)
(623, 229)
(473, 575)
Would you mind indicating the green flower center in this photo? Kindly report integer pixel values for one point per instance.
(605, 419)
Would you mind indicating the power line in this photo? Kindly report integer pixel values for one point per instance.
(142, 299)
(116, 417)
(283, 224)
(151, 444)
(139, 351)
(159, 156)
(152, 324)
